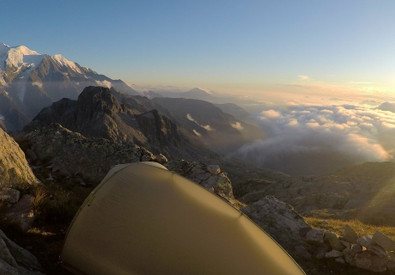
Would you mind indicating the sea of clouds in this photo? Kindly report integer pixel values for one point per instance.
(352, 133)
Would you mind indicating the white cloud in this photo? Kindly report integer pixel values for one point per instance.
(270, 114)
(349, 133)
(104, 83)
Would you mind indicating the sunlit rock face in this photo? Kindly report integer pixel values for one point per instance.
(14, 168)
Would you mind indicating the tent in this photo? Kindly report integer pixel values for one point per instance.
(144, 219)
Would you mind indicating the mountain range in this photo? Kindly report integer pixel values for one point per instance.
(30, 81)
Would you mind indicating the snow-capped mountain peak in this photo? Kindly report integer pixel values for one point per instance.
(65, 62)
(18, 56)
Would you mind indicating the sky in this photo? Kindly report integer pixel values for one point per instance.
(279, 48)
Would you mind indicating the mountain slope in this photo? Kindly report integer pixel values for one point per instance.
(33, 81)
(203, 121)
(99, 113)
(364, 192)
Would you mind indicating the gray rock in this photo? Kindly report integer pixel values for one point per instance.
(346, 244)
(217, 183)
(383, 241)
(162, 159)
(21, 214)
(349, 234)
(14, 168)
(333, 254)
(378, 250)
(22, 256)
(6, 255)
(340, 260)
(370, 261)
(333, 241)
(278, 219)
(321, 250)
(6, 269)
(349, 256)
(9, 196)
(213, 169)
(315, 236)
(356, 248)
(365, 241)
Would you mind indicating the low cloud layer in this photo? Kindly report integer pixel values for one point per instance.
(322, 137)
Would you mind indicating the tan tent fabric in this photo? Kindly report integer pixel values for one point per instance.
(143, 219)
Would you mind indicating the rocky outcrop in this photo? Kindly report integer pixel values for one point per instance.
(374, 253)
(210, 177)
(68, 154)
(104, 113)
(14, 260)
(281, 222)
(14, 169)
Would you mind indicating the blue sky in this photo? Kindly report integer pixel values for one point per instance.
(228, 46)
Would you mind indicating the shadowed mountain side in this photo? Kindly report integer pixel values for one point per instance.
(201, 120)
(11, 116)
(98, 113)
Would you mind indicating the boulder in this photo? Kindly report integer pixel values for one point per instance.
(162, 159)
(9, 196)
(21, 214)
(321, 250)
(349, 256)
(209, 176)
(378, 250)
(279, 220)
(333, 241)
(349, 234)
(370, 261)
(213, 169)
(334, 254)
(7, 269)
(365, 241)
(16, 260)
(14, 168)
(315, 236)
(383, 241)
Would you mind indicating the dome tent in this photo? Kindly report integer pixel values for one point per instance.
(144, 219)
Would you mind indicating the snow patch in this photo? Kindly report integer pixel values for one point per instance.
(237, 125)
(197, 133)
(66, 63)
(103, 83)
(15, 56)
(206, 127)
(37, 84)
